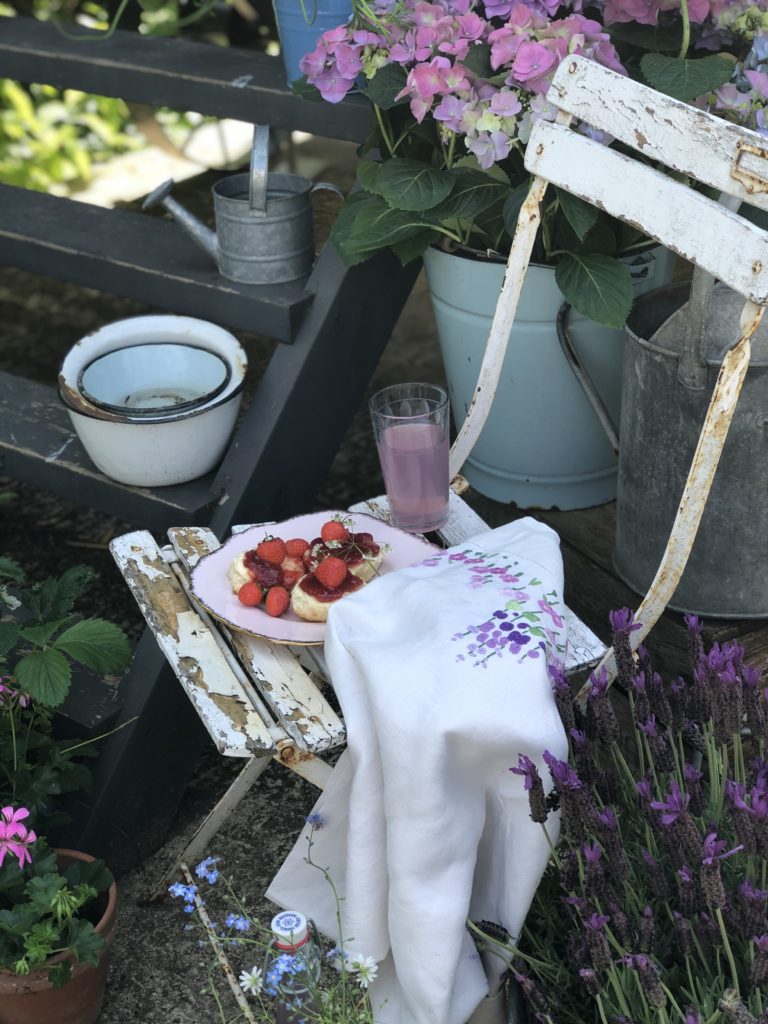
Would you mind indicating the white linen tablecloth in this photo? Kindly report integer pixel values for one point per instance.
(441, 672)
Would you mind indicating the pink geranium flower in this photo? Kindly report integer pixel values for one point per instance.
(15, 838)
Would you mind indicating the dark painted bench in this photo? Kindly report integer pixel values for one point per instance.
(332, 329)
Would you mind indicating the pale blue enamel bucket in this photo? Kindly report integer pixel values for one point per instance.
(542, 445)
(300, 25)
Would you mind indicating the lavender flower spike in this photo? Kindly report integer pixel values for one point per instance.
(533, 786)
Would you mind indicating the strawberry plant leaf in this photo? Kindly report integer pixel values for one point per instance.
(96, 643)
(9, 633)
(10, 569)
(45, 676)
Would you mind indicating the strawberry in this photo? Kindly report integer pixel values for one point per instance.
(334, 530)
(271, 550)
(250, 594)
(331, 572)
(277, 601)
(296, 547)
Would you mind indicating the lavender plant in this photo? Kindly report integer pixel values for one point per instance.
(653, 908)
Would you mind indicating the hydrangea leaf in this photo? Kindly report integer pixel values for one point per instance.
(96, 643)
(598, 286)
(368, 174)
(513, 204)
(579, 214)
(45, 676)
(478, 60)
(685, 79)
(385, 85)
(411, 185)
(413, 246)
(658, 39)
(472, 193)
(301, 87)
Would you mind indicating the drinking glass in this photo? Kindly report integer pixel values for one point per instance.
(410, 424)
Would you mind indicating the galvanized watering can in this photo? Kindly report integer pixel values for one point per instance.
(671, 361)
(264, 232)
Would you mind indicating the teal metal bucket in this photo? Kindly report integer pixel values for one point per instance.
(542, 445)
(301, 25)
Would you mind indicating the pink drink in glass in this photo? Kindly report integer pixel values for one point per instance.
(414, 460)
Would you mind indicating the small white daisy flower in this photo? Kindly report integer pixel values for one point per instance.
(251, 981)
(365, 967)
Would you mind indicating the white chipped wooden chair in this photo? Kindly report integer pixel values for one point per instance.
(711, 235)
(259, 701)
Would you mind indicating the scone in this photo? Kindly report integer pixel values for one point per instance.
(249, 566)
(361, 554)
(310, 600)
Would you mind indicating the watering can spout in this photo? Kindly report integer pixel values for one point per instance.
(196, 230)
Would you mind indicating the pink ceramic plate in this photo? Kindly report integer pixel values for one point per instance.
(211, 586)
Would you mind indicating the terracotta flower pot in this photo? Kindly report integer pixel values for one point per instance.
(31, 999)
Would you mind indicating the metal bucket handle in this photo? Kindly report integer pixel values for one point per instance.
(583, 379)
(257, 181)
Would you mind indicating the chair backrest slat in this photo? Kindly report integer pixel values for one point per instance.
(687, 222)
(691, 141)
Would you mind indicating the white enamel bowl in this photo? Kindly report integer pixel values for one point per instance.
(155, 379)
(155, 450)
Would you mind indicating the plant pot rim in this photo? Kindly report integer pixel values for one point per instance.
(37, 978)
(498, 260)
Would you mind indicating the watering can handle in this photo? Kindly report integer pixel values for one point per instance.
(257, 182)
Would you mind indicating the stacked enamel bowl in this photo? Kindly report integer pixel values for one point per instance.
(154, 399)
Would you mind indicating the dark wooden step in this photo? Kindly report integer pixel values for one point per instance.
(38, 445)
(214, 80)
(140, 256)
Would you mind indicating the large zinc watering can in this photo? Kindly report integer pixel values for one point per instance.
(264, 232)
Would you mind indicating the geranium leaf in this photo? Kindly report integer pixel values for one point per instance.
(45, 676)
(98, 644)
(94, 873)
(685, 79)
(385, 85)
(599, 287)
(411, 185)
(580, 215)
(85, 942)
